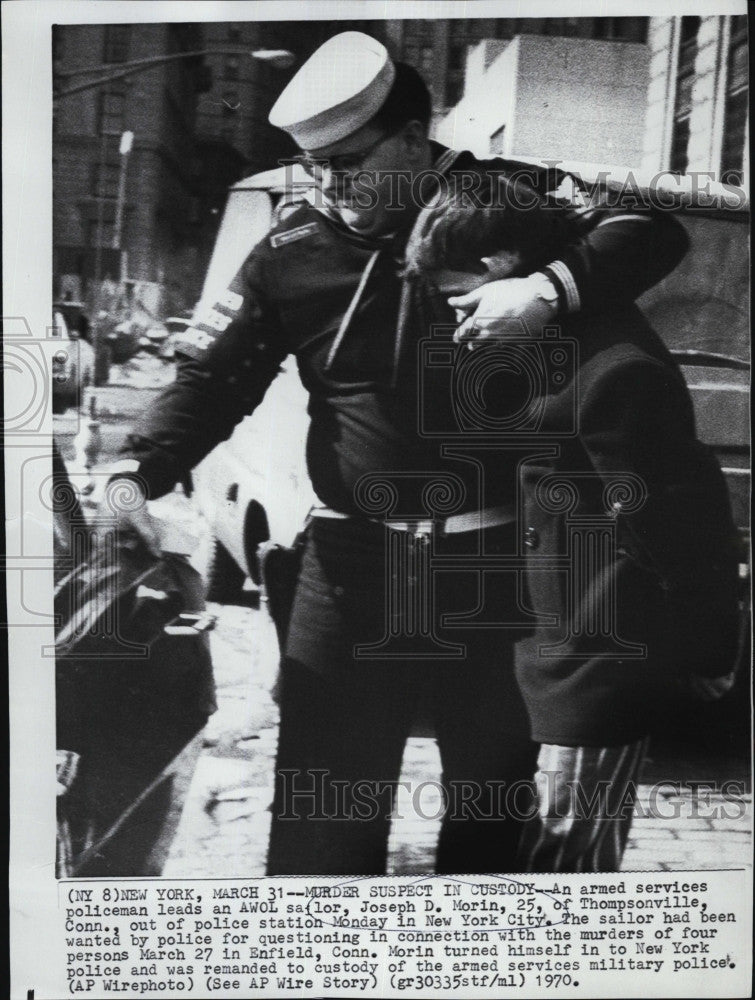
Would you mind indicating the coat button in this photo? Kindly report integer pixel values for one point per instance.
(531, 538)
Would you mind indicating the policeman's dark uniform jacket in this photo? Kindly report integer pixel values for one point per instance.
(318, 290)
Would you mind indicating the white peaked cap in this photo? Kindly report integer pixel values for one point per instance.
(337, 91)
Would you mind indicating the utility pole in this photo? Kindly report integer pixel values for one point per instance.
(127, 142)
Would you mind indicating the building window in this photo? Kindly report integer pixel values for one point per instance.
(496, 141)
(508, 27)
(633, 29)
(411, 54)
(105, 180)
(116, 42)
(100, 234)
(737, 100)
(625, 29)
(426, 59)
(112, 108)
(685, 79)
(569, 27)
(679, 145)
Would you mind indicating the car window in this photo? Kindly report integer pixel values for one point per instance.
(247, 217)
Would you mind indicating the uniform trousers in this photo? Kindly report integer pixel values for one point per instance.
(346, 715)
(585, 798)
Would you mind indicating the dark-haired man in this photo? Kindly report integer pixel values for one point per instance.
(616, 471)
(327, 286)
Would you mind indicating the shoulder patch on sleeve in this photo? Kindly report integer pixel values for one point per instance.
(292, 235)
(194, 342)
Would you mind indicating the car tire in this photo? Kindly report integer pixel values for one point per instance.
(225, 578)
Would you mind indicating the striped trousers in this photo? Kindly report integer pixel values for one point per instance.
(585, 805)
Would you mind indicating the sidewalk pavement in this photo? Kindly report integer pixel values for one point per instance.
(225, 823)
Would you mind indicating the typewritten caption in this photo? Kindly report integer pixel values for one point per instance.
(492, 935)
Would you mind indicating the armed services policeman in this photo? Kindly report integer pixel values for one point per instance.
(326, 285)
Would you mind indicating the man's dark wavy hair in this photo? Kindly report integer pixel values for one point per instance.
(408, 100)
(469, 221)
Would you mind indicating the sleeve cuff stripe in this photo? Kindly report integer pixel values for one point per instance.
(445, 160)
(624, 218)
(564, 275)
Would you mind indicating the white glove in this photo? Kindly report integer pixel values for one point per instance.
(511, 305)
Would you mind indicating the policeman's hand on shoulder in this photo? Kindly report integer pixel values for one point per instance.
(122, 511)
(511, 306)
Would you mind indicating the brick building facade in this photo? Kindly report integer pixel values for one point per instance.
(158, 236)
(199, 125)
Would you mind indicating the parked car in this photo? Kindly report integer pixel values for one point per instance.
(255, 485)
(701, 310)
(73, 359)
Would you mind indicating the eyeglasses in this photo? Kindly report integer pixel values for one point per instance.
(346, 162)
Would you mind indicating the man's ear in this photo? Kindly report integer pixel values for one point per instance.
(415, 137)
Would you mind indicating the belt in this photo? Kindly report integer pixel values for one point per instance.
(475, 520)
